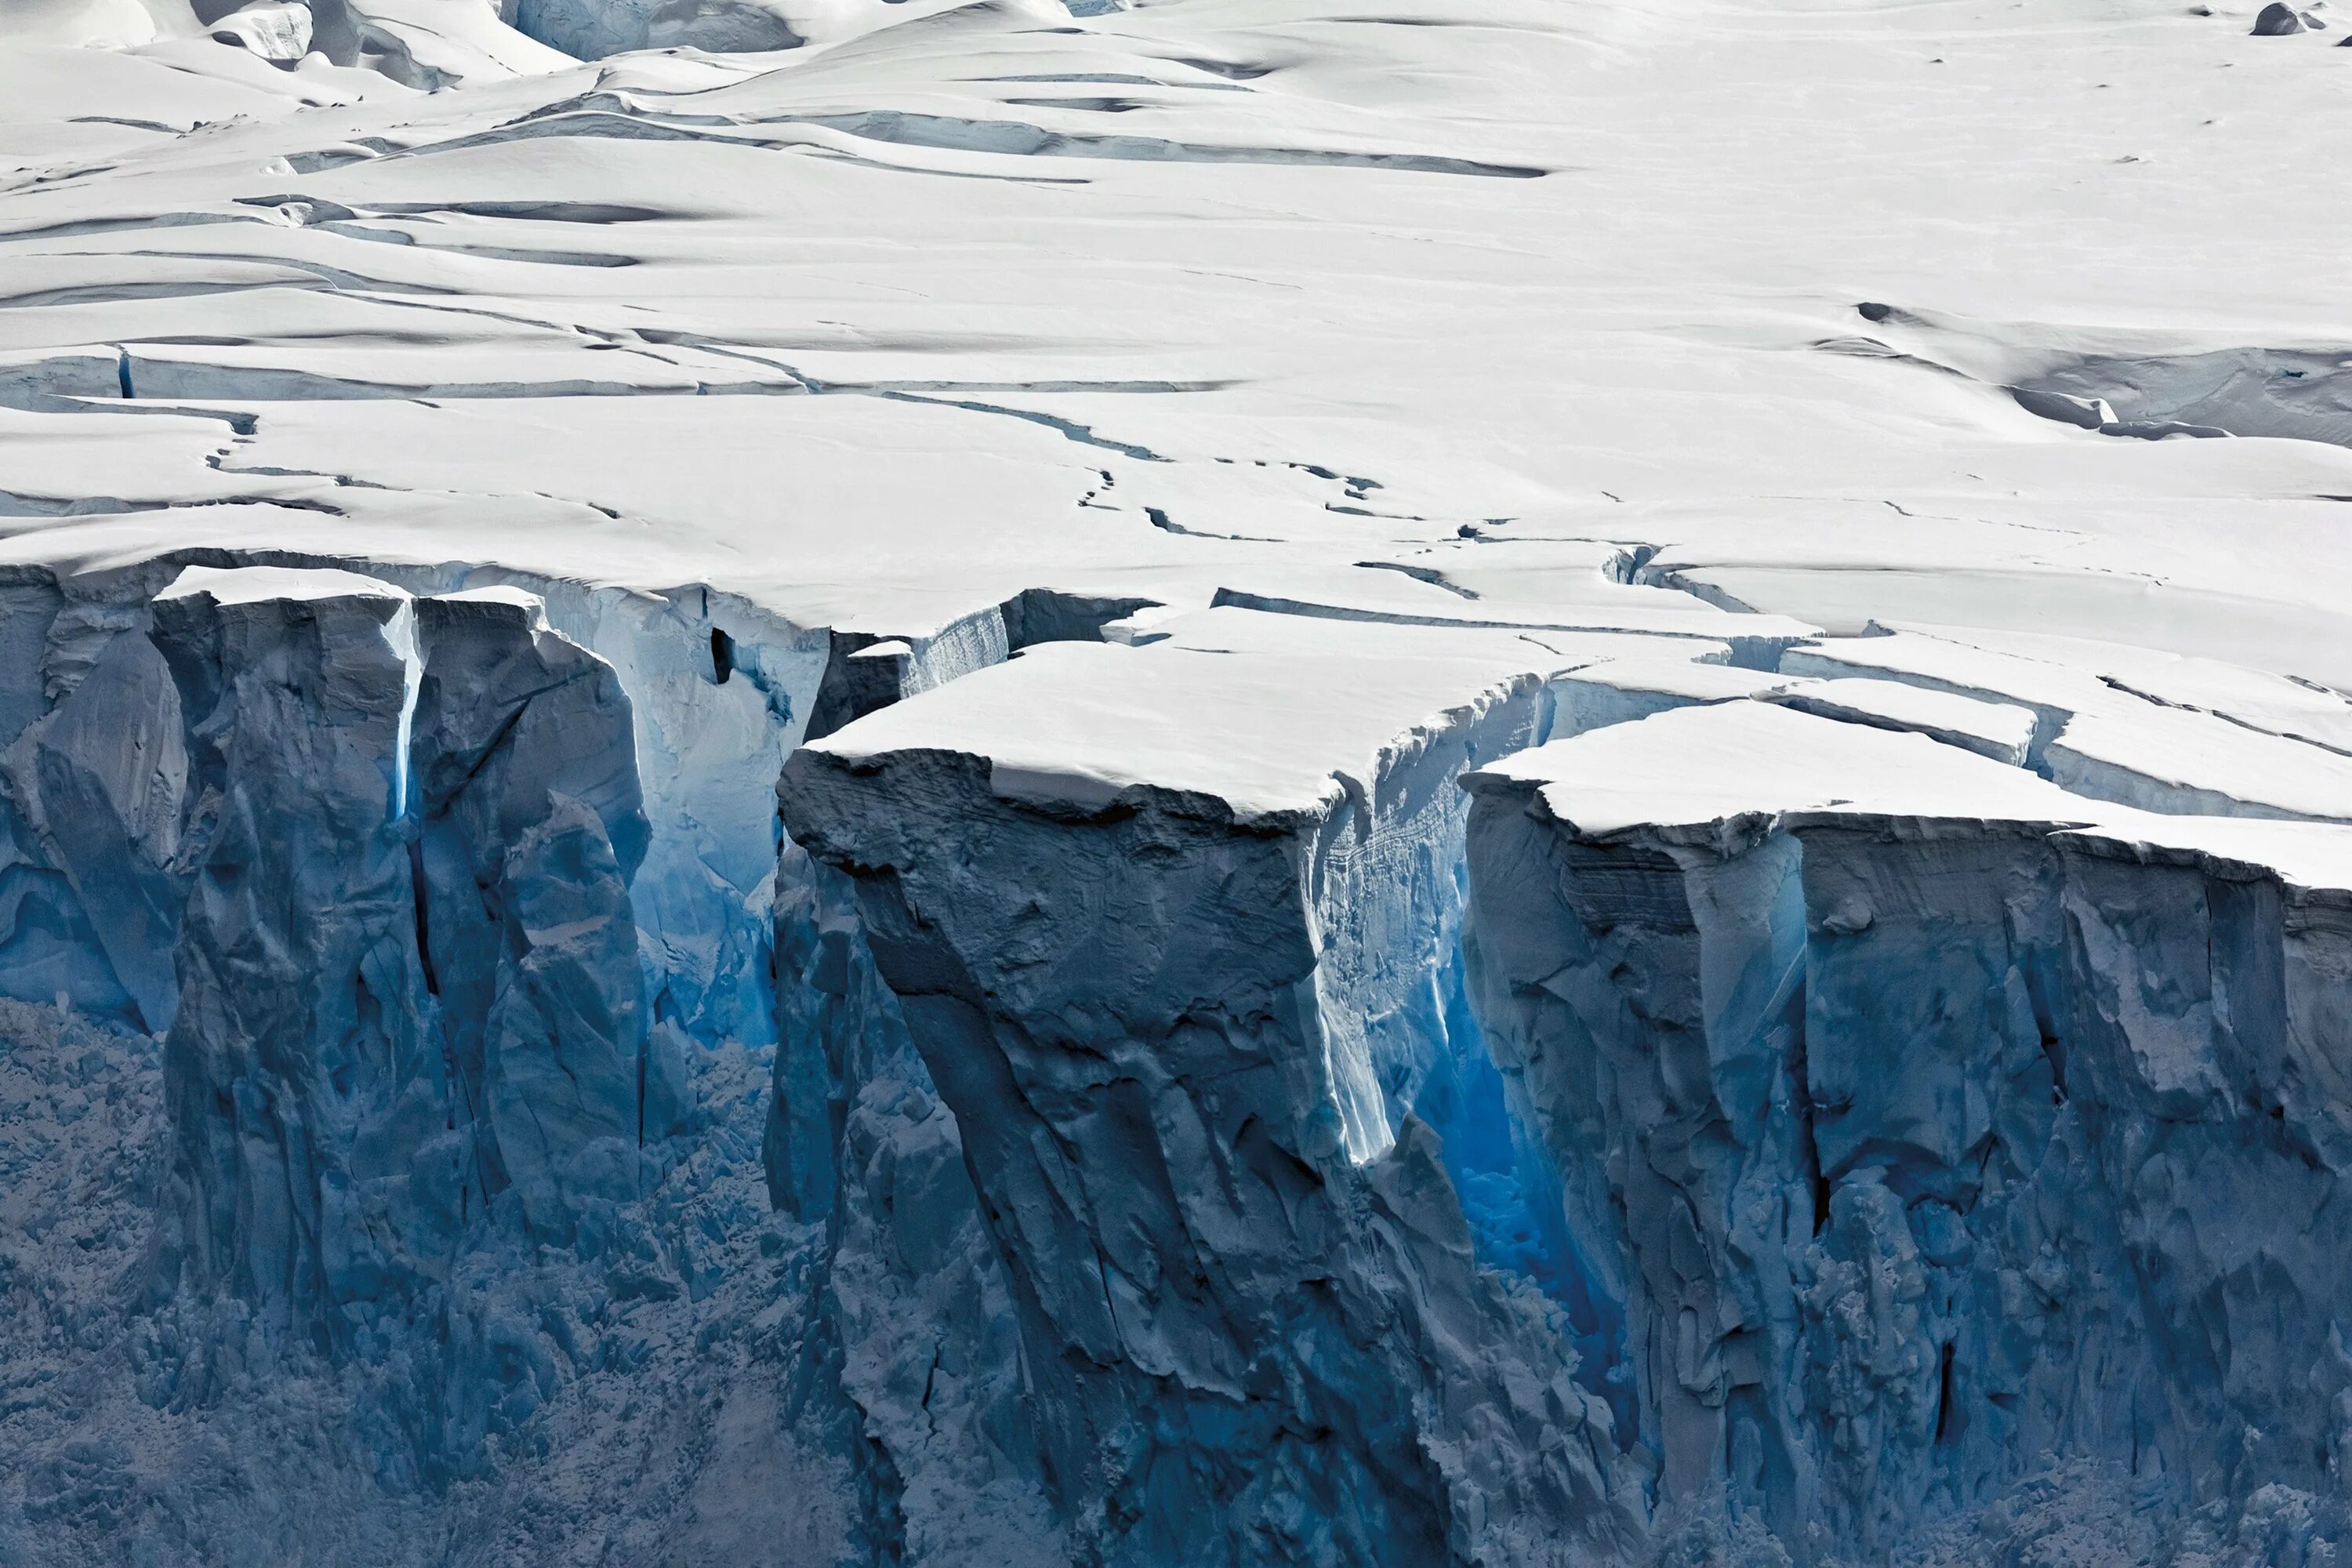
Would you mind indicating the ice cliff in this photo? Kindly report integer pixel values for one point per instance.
(1555, 1106)
(996, 782)
(1188, 1040)
(1923, 1121)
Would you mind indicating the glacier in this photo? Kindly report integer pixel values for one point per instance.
(1003, 783)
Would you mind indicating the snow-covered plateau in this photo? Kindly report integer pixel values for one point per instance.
(1174, 784)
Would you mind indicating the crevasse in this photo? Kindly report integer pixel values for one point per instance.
(401, 633)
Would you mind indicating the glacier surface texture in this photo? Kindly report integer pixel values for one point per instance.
(1174, 784)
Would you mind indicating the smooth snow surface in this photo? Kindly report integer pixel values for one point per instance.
(1710, 766)
(1079, 721)
(1012, 782)
(2002, 731)
(260, 584)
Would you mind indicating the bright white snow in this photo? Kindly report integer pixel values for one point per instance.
(1219, 425)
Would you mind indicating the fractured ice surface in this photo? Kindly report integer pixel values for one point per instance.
(1854, 1077)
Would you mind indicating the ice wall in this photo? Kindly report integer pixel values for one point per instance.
(1157, 1177)
(393, 1027)
(92, 875)
(94, 791)
(90, 777)
(2208, 1049)
(913, 1308)
(1181, 1051)
(447, 1188)
(300, 1029)
(530, 826)
(1920, 1150)
(719, 693)
(495, 903)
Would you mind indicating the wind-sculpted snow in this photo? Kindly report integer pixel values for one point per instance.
(2135, 384)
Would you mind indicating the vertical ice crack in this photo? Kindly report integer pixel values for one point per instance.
(401, 633)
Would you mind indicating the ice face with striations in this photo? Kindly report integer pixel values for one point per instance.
(1186, 1031)
(1004, 784)
(391, 1021)
(1894, 1089)
(1460, 1128)
(301, 1026)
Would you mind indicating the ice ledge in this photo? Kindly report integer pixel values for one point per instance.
(1727, 777)
(1730, 770)
(254, 585)
(1081, 725)
(1203, 1035)
(2311, 862)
